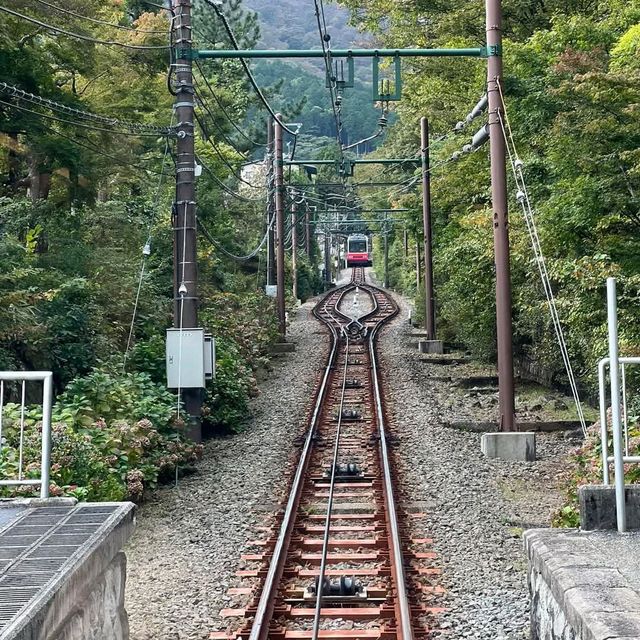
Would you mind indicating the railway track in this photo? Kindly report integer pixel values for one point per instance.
(339, 560)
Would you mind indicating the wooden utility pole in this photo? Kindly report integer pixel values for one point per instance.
(429, 316)
(279, 187)
(500, 218)
(386, 253)
(307, 229)
(185, 268)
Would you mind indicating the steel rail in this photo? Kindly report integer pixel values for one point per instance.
(264, 610)
(260, 626)
(327, 527)
(396, 549)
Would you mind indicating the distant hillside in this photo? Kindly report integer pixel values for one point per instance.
(291, 24)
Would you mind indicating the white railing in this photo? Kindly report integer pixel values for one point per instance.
(23, 377)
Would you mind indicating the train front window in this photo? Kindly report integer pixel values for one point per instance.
(358, 246)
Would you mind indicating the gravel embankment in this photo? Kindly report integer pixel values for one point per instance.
(476, 508)
(188, 540)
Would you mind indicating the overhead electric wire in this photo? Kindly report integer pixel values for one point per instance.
(223, 186)
(76, 123)
(78, 36)
(97, 21)
(224, 110)
(246, 67)
(133, 127)
(220, 155)
(216, 243)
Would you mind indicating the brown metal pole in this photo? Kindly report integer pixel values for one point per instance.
(185, 298)
(500, 218)
(294, 246)
(405, 242)
(271, 246)
(418, 263)
(429, 316)
(307, 229)
(386, 253)
(279, 187)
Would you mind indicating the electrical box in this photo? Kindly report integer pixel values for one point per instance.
(209, 357)
(185, 359)
(271, 290)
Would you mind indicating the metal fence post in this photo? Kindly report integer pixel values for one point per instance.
(618, 463)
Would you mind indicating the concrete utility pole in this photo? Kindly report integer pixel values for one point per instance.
(500, 218)
(185, 294)
(294, 245)
(279, 186)
(271, 246)
(429, 302)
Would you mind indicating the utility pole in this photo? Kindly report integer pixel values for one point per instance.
(185, 268)
(500, 218)
(327, 257)
(405, 242)
(271, 246)
(307, 229)
(386, 253)
(294, 245)
(279, 186)
(430, 316)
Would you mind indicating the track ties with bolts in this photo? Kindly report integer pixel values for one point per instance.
(341, 559)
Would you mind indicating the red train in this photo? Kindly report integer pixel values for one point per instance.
(358, 251)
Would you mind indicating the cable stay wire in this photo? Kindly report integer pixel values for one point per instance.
(97, 21)
(77, 36)
(132, 127)
(246, 67)
(522, 197)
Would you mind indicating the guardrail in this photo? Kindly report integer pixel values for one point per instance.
(24, 377)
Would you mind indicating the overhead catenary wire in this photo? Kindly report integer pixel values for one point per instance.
(246, 67)
(96, 20)
(523, 198)
(78, 36)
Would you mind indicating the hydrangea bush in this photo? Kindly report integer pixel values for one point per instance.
(112, 438)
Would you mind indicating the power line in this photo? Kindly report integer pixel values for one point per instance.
(107, 43)
(76, 123)
(135, 127)
(96, 21)
(220, 155)
(224, 111)
(247, 70)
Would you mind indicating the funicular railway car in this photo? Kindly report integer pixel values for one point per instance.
(358, 251)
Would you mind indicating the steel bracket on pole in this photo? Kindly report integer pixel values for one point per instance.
(381, 88)
(340, 83)
(491, 50)
(184, 53)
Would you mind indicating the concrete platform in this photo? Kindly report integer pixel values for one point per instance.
(515, 445)
(62, 570)
(583, 585)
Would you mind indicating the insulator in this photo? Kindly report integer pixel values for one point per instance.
(456, 155)
(480, 137)
(468, 148)
(518, 164)
(459, 126)
(520, 196)
(479, 108)
(146, 250)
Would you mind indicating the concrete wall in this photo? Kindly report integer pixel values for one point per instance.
(101, 614)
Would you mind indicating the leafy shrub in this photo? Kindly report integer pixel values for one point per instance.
(113, 437)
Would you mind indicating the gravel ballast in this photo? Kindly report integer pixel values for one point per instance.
(188, 540)
(476, 508)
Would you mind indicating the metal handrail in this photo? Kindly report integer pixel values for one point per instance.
(46, 377)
